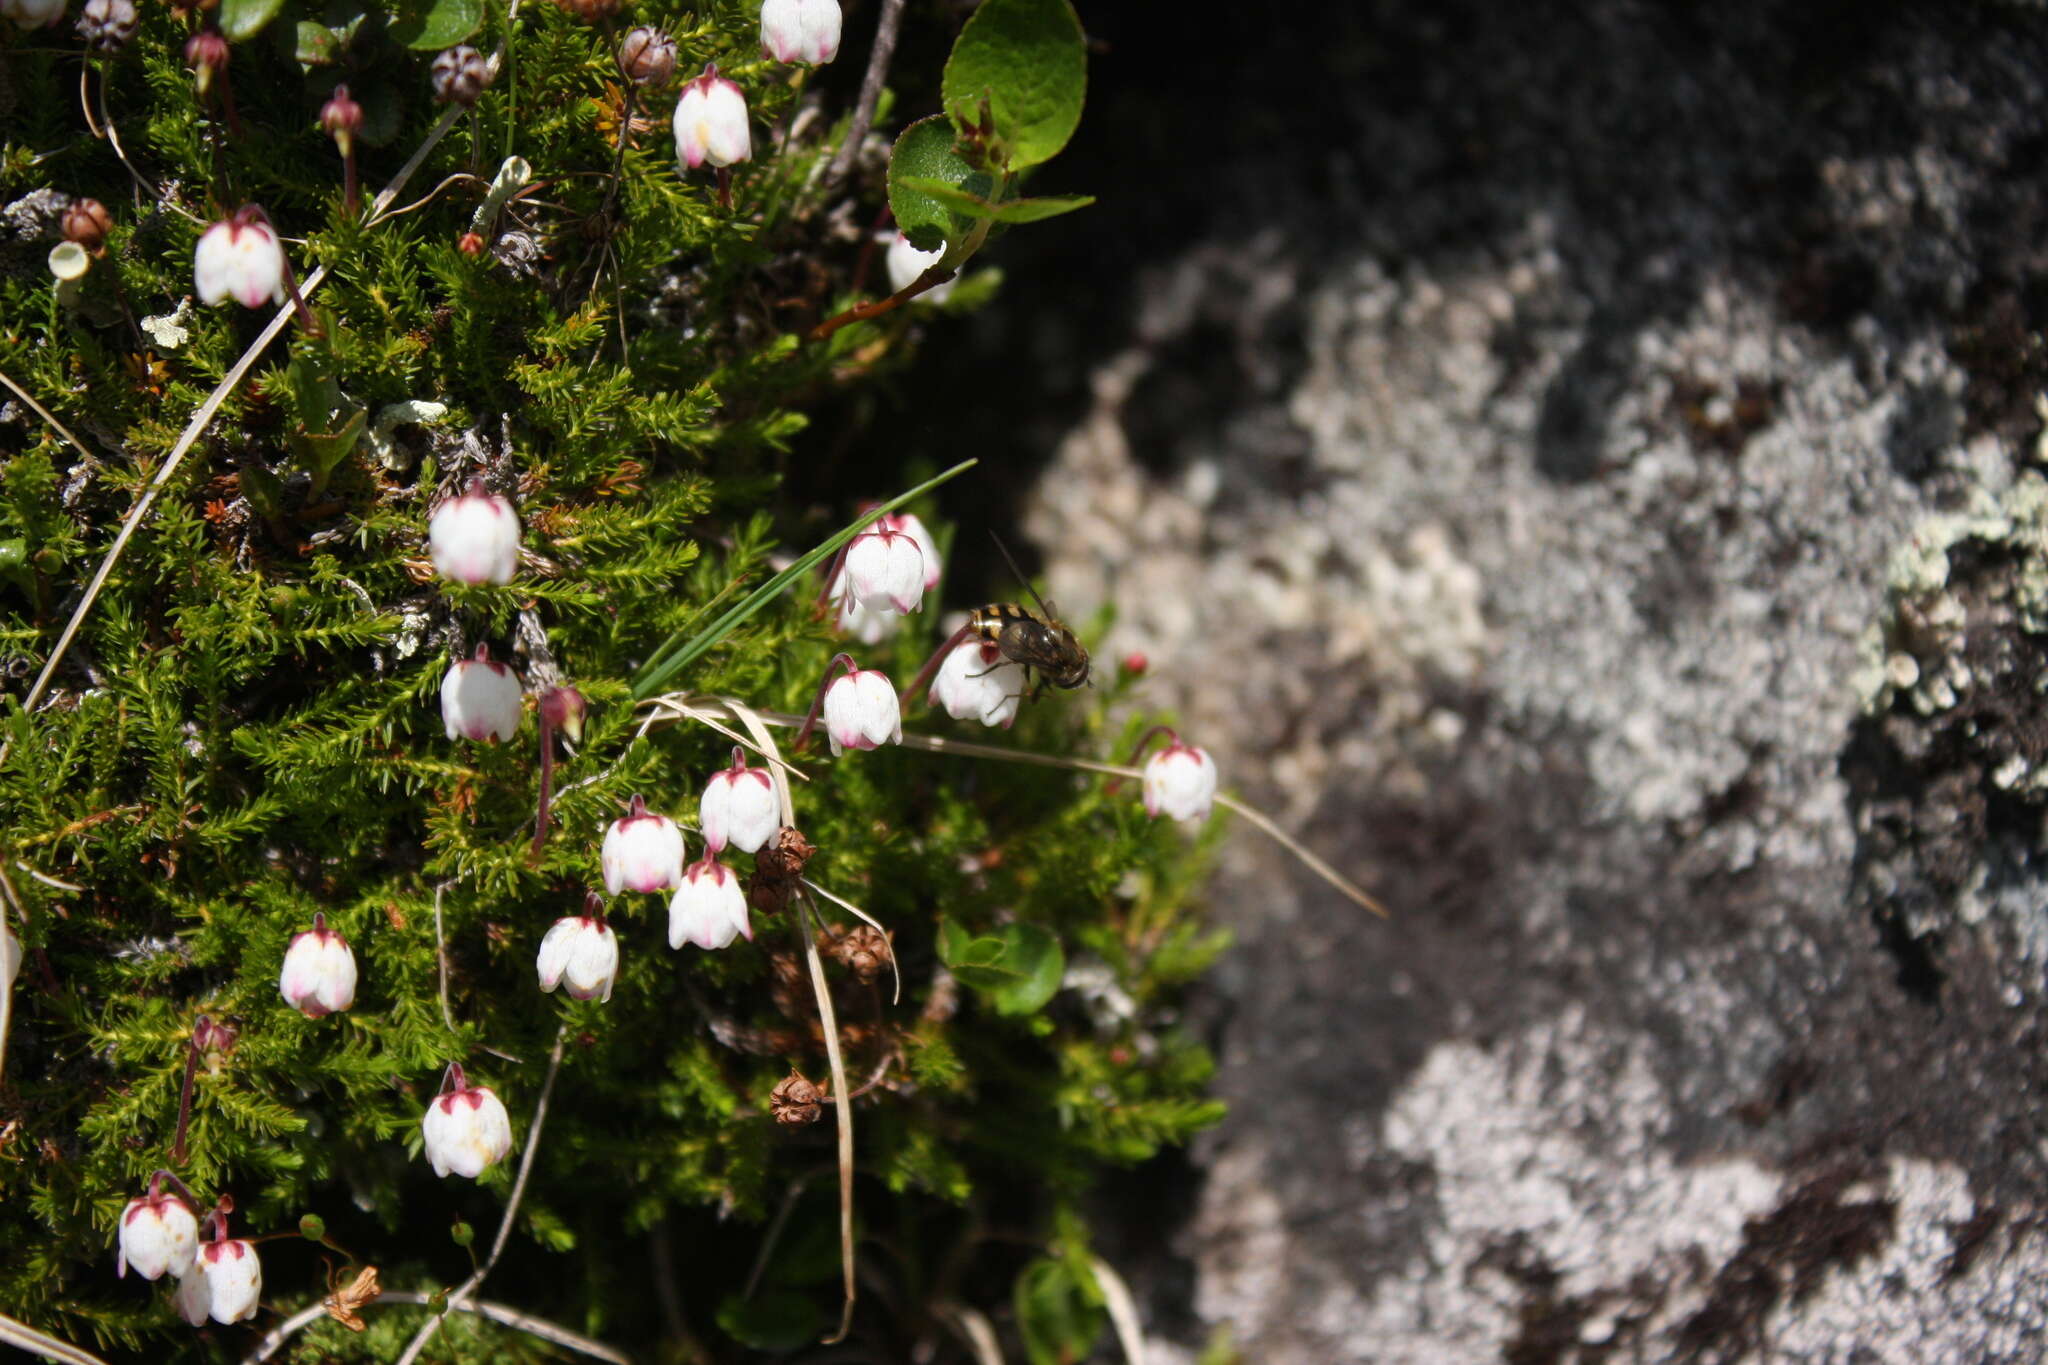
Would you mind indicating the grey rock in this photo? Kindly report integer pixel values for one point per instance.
(1547, 520)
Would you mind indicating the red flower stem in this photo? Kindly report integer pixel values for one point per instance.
(547, 786)
(803, 736)
(931, 666)
(1144, 741)
(201, 1029)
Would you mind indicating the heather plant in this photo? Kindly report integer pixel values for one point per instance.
(407, 427)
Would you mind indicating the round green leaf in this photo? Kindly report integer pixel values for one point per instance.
(241, 20)
(925, 153)
(1029, 60)
(1039, 963)
(427, 25)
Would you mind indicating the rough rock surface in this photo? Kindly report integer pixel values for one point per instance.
(1592, 493)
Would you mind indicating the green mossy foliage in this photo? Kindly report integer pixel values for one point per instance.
(246, 732)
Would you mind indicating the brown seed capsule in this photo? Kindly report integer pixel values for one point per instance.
(863, 952)
(87, 223)
(107, 24)
(647, 56)
(795, 1101)
(460, 75)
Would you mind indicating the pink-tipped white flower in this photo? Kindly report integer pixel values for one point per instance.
(1180, 781)
(159, 1232)
(709, 909)
(861, 711)
(36, 13)
(480, 698)
(642, 852)
(886, 567)
(474, 538)
(975, 681)
(906, 523)
(240, 258)
(869, 625)
(739, 808)
(230, 1280)
(711, 122)
(905, 263)
(466, 1130)
(581, 954)
(319, 975)
(800, 30)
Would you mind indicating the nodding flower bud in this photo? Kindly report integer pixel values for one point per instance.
(341, 118)
(801, 30)
(480, 699)
(206, 52)
(642, 852)
(459, 75)
(230, 1281)
(1180, 781)
(861, 711)
(564, 709)
(886, 569)
(580, 953)
(975, 681)
(474, 537)
(709, 909)
(739, 808)
(906, 263)
(465, 1130)
(240, 258)
(107, 24)
(87, 223)
(319, 974)
(711, 122)
(32, 13)
(647, 56)
(159, 1232)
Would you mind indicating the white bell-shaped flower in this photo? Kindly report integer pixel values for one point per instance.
(801, 30)
(886, 567)
(36, 13)
(232, 1278)
(711, 122)
(240, 258)
(976, 682)
(319, 975)
(908, 524)
(709, 909)
(642, 852)
(159, 1232)
(474, 538)
(466, 1129)
(1180, 781)
(739, 808)
(905, 263)
(861, 711)
(581, 955)
(480, 699)
(869, 625)
(194, 1297)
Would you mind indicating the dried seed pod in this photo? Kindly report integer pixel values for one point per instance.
(460, 74)
(87, 223)
(107, 24)
(647, 56)
(795, 1102)
(864, 952)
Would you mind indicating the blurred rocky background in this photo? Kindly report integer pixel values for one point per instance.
(1580, 465)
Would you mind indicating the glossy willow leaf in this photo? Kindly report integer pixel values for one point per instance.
(924, 154)
(241, 20)
(1029, 59)
(433, 24)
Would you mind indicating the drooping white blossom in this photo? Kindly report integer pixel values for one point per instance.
(709, 909)
(711, 122)
(642, 852)
(480, 699)
(1180, 782)
(319, 973)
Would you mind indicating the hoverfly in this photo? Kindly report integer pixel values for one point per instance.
(1030, 640)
